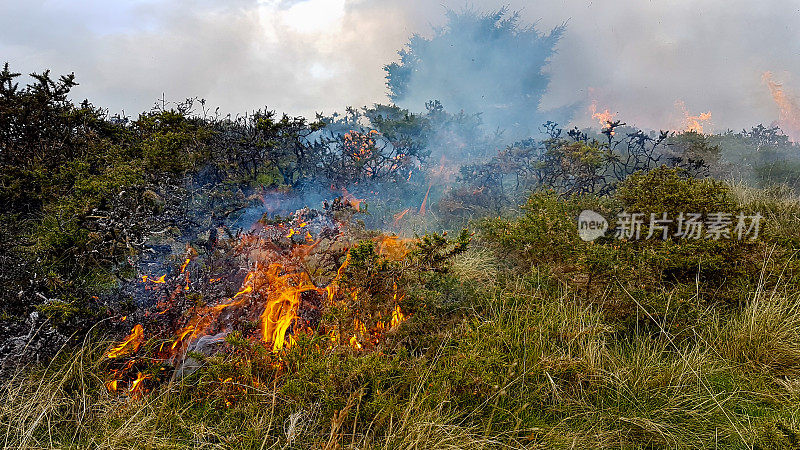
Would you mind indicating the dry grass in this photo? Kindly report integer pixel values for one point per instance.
(548, 369)
(764, 335)
(476, 265)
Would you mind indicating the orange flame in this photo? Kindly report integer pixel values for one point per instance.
(129, 345)
(425, 200)
(693, 124)
(392, 247)
(182, 336)
(160, 280)
(604, 118)
(136, 387)
(789, 116)
(283, 300)
(397, 317)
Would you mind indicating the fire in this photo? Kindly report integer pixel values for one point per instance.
(283, 299)
(136, 387)
(277, 291)
(161, 280)
(789, 115)
(182, 336)
(692, 123)
(425, 200)
(397, 317)
(604, 118)
(129, 345)
(185, 263)
(393, 247)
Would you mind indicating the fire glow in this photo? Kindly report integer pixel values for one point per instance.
(789, 107)
(277, 293)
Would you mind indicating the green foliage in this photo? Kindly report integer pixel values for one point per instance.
(622, 275)
(777, 173)
(671, 190)
(546, 231)
(694, 152)
(415, 279)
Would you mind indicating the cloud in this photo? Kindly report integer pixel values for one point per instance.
(303, 56)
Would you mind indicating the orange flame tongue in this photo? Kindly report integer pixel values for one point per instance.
(789, 118)
(136, 386)
(283, 301)
(693, 124)
(129, 345)
(605, 118)
(397, 316)
(399, 216)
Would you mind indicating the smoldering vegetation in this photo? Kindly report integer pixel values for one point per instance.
(389, 277)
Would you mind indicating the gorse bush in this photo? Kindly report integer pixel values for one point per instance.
(623, 274)
(672, 191)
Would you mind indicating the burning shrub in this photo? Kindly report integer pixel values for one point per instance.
(305, 277)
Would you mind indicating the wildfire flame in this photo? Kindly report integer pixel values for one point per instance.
(136, 385)
(605, 118)
(425, 200)
(397, 317)
(273, 292)
(789, 115)
(283, 299)
(692, 123)
(129, 345)
(185, 263)
(161, 280)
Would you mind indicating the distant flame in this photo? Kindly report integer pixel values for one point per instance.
(789, 116)
(693, 123)
(604, 118)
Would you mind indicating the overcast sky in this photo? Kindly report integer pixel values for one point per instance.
(642, 59)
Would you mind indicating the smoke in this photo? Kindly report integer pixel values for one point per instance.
(304, 56)
(480, 62)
